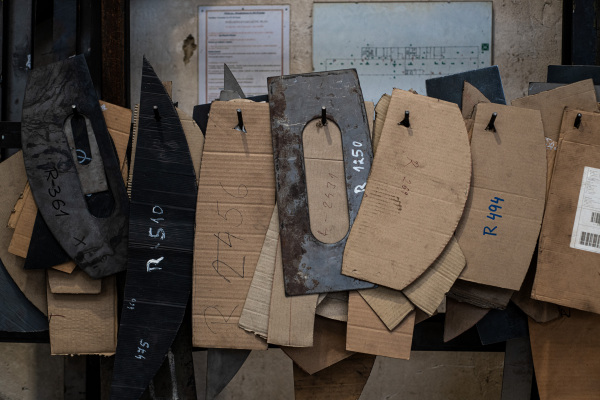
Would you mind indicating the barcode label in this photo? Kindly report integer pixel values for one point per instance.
(586, 227)
(590, 239)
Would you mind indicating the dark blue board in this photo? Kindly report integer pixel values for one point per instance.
(450, 87)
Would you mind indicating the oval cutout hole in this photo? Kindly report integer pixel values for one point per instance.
(325, 181)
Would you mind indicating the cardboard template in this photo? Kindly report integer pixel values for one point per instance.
(291, 318)
(391, 306)
(236, 194)
(470, 98)
(580, 95)
(429, 290)
(415, 193)
(460, 317)
(539, 311)
(500, 226)
(31, 282)
(334, 306)
(367, 334)
(84, 323)
(255, 314)
(483, 296)
(567, 271)
(329, 347)
(77, 282)
(15, 214)
(565, 356)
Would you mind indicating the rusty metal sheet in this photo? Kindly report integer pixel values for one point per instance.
(97, 245)
(311, 266)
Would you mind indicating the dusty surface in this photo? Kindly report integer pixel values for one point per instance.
(427, 375)
(29, 372)
(526, 35)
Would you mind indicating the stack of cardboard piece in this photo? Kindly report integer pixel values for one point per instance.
(449, 222)
(446, 219)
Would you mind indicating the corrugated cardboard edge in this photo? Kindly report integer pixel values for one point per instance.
(31, 282)
(367, 334)
(21, 237)
(134, 136)
(391, 306)
(18, 207)
(334, 306)
(479, 295)
(380, 113)
(255, 314)
(429, 290)
(291, 319)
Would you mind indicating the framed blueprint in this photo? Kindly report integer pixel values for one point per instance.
(400, 45)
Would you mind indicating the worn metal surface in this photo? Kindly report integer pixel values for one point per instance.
(17, 314)
(450, 88)
(309, 265)
(97, 245)
(161, 242)
(222, 366)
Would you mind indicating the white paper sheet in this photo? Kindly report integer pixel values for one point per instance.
(252, 40)
(400, 45)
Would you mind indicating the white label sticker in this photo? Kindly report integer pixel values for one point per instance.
(586, 228)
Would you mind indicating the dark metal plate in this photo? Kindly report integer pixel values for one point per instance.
(573, 73)
(161, 242)
(450, 88)
(309, 265)
(97, 245)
